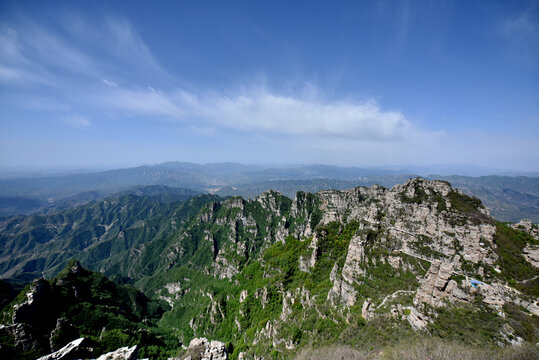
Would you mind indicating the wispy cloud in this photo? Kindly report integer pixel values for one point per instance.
(261, 110)
(522, 32)
(77, 121)
(521, 25)
(76, 68)
(265, 111)
(109, 82)
(30, 52)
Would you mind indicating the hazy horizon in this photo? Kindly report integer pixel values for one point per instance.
(101, 84)
(421, 170)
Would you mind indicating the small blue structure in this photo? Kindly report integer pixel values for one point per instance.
(476, 282)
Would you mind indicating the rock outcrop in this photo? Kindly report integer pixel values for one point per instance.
(63, 333)
(528, 227)
(437, 286)
(26, 338)
(203, 349)
(36, 310)
(123, 353)
(342, 291)
(417, 319)
(531, 254)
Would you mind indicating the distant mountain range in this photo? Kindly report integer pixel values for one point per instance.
(510, 198)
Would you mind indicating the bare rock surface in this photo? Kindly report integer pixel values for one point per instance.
(531, 254)
(437, 286)
(77, 349)
(123, 353)
(204, 349)
(417, 319)
(342, 292)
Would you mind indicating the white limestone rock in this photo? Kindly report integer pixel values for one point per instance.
(342, 292)
(437, 286)
(76, 349)
(531, 254)
(367, 310)
(123, 353)
(417, 319)
(207, 350)
(528, 227)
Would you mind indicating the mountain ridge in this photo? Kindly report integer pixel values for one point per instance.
(510, 198)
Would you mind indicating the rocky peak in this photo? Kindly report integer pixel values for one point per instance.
(423, 185)
(234, 202)
(272, 201)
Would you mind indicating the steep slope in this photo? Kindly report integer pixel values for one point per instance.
(50, 313)
(508, 198)
(101, 234)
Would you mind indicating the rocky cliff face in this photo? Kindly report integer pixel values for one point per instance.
(420, 218)
(407, 253)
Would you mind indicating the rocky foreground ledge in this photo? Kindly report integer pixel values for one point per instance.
(80, 349)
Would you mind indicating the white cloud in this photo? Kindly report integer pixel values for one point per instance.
(269, 112)
(30, 52)
(123, 42)
(264, 111)
(77, 121)
(261, 111)
(72, 59)
(109, 83)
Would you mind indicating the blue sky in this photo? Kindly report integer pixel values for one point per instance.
(360, 83)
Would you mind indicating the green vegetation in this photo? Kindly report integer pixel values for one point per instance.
(100, 234)
(108, 314)
(467, 324)
(421, 348)
(467, 208)
(526, 325)
(515, 269)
